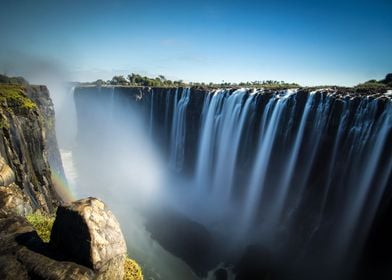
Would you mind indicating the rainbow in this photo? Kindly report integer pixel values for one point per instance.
(62, 187)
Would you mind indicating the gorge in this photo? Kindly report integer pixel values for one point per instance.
(303, 175)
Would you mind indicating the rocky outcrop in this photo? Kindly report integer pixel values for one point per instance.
(88, 233)
(23, 255)
(86, 243)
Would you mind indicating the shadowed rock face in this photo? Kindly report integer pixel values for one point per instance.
(87, 232)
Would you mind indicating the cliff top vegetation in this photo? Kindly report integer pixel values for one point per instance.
(15, 97)
(160, 81)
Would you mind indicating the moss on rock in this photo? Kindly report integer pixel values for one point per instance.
(15, 97)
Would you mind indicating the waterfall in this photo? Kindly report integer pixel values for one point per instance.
(179, 128)
(304, 173)
(315, 151)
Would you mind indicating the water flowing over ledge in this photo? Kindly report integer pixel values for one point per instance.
(302, 172)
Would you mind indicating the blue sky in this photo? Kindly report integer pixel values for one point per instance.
(310, 42)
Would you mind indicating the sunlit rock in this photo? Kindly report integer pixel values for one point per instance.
(89, 234)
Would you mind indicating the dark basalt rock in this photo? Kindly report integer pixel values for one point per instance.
(256, 263)
(184, 238)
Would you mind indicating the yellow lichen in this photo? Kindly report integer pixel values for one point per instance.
(132, 270)
(16, 97)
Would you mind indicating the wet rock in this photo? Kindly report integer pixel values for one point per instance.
(221, 274)
(184, 238)
(88, 233)
(256, 263)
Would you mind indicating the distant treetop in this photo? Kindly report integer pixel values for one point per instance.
(381, 85)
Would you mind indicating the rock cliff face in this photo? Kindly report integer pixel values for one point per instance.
(28, 153)
(25, 134)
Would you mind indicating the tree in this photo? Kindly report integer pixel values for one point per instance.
(119, 80)
(388, 79)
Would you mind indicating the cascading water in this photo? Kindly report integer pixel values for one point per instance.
(179, 129)
(302, 173)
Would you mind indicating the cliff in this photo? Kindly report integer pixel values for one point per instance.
(25, 134)
(93, 247)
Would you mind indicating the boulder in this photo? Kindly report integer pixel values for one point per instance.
(23, 255)
(89, 234)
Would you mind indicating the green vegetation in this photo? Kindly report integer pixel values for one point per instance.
(15, 97)
(379, 86)
(43, 225)
(161, 81)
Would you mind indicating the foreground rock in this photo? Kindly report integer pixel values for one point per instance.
(86, 244)
(88, 233)
(23, 255)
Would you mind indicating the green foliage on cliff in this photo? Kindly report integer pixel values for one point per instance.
(42, 223)
(14, 96)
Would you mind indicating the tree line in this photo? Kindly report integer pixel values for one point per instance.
(161, 81)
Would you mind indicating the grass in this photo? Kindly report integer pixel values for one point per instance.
(15, 97)
(43, 225)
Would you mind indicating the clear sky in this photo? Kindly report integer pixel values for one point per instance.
(310, 42)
